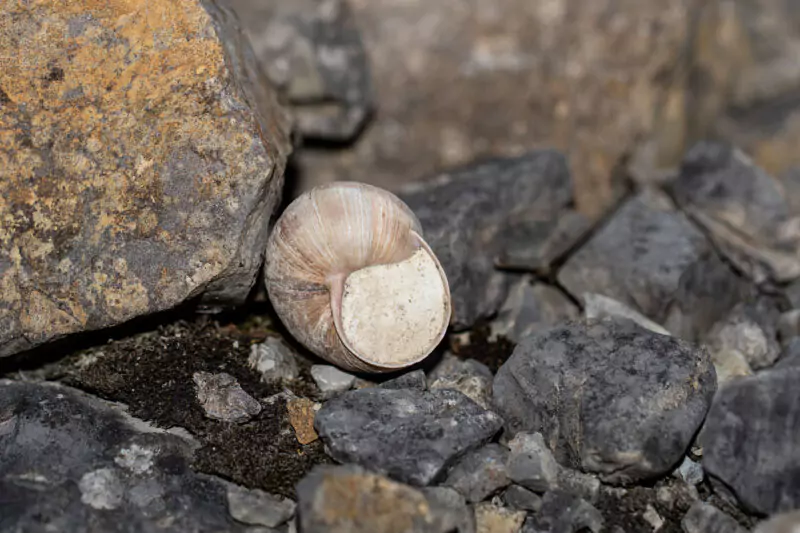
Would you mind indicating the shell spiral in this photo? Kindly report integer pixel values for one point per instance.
(348, 259)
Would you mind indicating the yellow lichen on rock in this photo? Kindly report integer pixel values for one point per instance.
(123, 136)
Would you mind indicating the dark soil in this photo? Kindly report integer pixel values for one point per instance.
(152, 374)
(491, 353)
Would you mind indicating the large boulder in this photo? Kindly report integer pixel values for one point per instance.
(141, 157)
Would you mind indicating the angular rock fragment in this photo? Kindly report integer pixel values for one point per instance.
(468, 376)
(76, 463)
(745, 211)
(564, 513)
(480, 474)
(609, 397)
(531, 464)
(651, 258)
(222, 398)
(253, 506)
(274, 360)
(529, 307)
(520, 498)
(330, 380)
(467, 215)
(750, 440)
(409, 435)
(133, 184)
(349, 499)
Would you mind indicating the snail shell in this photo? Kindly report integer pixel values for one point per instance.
(352, 279)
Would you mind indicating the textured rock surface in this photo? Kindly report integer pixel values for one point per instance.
(253, 506)
(531, 463)
(651, 258)
(597, 306)
(348, 499)
(141, 157)
(746, 211)
(705, 518)
(750, 440)
(468, 216)
(491, 518)
(415, 379)
(626, 417)
(468, 376)
(407, 434)
(531, 306)
(222, 398)
(74, 463)
(312, 51)
(274, 360)
(597, 78)
(746, 333)
(480, 473)
(522, 499)
(330, 380)
(564, 513)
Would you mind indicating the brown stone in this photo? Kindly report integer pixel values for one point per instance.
(301, 416)
(460, 80)
(141, 156)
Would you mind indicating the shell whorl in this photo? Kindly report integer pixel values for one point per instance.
(323, 236)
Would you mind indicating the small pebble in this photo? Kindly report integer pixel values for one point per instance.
(273, 360)
(531, 463)
(330, 380)
(223, 399)
(587, 486)
(689, 471)
(301, 416)
(470, 377)
(254, 506)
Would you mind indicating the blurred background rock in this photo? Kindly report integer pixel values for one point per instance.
(393, 91)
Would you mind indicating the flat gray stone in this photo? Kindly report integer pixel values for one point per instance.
(480, 473)
(750, 440)
(626, 417)
(409, 435)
